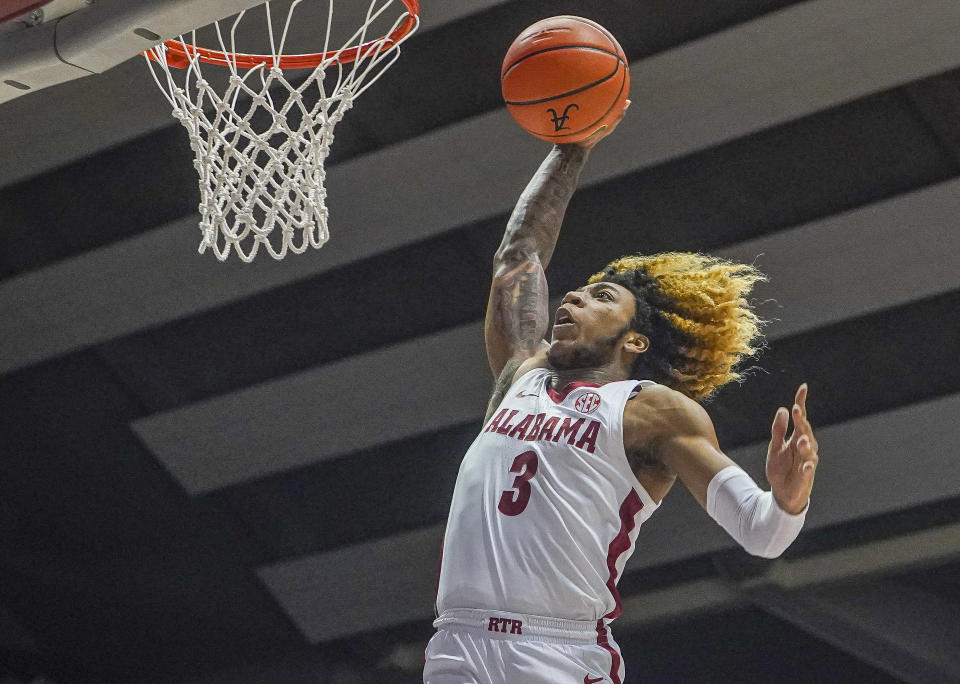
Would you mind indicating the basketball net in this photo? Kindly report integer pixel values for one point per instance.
(260, 146)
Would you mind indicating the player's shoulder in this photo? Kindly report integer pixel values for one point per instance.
(535, 362)
(661, 410)
(657, 396)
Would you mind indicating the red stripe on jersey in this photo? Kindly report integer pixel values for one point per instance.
(614, 656)
(628, 511)
(558, 397)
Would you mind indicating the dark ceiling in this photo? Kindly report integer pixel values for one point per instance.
(128, 555)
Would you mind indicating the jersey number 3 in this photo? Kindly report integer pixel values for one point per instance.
(512, 502)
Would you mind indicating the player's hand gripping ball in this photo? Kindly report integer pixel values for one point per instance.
(564, 78)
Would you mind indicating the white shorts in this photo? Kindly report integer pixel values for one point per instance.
(491, 647)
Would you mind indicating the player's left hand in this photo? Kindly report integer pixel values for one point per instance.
(792, 463)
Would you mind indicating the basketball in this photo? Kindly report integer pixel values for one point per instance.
(564, 77)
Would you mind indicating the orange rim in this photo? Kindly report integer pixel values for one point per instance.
(180, 54)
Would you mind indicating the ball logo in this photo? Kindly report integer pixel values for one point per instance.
(588, 402)
(560, 120)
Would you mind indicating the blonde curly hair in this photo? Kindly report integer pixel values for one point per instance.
(693, 307)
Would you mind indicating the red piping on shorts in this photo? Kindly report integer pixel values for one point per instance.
(615, 657)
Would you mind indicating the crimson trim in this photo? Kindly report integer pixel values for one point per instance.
(628, 511)
(614, 655)
(558, 397)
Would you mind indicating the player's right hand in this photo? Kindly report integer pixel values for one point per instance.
(603, 131)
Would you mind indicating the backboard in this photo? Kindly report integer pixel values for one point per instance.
(43, 43)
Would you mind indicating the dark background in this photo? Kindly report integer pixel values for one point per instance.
(229, 473)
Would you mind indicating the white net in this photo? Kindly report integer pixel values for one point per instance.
(261, 142)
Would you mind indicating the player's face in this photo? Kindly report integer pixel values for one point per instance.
(589, 324)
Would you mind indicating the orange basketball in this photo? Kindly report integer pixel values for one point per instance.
(564, 77)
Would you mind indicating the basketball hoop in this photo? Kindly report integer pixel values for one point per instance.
(260, 147)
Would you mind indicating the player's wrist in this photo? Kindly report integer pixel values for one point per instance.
(750, 515)
(573, 151)
(795, 506)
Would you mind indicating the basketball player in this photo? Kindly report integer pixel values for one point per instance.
(583, 438)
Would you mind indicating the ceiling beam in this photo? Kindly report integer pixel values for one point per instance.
(907, 633)
(920, 549)
(938, 101)
(865, 562)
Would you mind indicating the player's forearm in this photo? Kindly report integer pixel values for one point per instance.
(517, 315)
(534, 225)
(750, 515)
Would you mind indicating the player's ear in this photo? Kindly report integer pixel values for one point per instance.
(636, 343)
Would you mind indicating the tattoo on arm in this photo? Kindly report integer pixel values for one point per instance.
(535, 222)
(517, 315)
(518, 308)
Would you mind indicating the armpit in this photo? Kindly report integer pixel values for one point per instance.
(502, 385)
(642, 459)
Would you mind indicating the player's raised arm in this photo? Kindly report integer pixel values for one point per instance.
(764, 523)
(517, 316)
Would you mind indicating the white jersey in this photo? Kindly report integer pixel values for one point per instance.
(546, 509)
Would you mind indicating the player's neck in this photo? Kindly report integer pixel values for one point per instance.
(597, 376)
